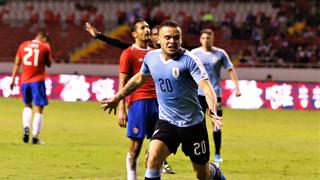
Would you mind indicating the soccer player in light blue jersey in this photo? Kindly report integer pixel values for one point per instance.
(213, 59)
(177, 75)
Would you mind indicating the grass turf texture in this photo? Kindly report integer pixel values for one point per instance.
(82, 142)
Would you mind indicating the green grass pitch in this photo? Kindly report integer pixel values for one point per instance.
(83, 142)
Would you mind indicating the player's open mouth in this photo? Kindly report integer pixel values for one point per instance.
(172, 47)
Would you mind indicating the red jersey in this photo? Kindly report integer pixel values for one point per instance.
(33, 55)
(131, 61)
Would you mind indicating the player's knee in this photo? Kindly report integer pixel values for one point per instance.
(135, 148)
(154, 162)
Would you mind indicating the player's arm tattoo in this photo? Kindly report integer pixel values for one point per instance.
(133, 84)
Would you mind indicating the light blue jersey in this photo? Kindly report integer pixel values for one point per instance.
(213, 61)
(176, 85)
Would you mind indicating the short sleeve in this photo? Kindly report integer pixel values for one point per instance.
(124, 64)
(144, 68)
(197, 70)
(227, 64)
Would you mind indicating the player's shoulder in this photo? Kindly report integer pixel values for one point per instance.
(196, 50)
(153, 52)
(189, 55)
(220, 50)
(25, 43)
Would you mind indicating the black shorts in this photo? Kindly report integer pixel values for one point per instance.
(194, 140)
(204, 105)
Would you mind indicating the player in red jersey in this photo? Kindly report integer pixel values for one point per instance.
(34, 55)
(143, 107)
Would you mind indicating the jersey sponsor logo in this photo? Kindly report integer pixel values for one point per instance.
(175, 72)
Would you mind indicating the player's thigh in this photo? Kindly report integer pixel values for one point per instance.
(195, 143)
(26, 92)
(39, 95)
(167, 133)
(138, 116)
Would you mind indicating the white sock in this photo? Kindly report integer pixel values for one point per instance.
(132, 166)
(26, 117)
(37, 123)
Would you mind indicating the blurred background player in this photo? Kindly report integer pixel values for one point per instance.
(181, 120)
(166, 168)
(213, 59)
(34, 55)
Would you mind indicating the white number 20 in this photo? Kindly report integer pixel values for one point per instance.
(29, 53)
(200, 148)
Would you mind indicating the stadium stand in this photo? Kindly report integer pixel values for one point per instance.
(254, 33)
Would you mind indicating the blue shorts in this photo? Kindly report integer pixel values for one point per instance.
(142, 117)
(36, 92)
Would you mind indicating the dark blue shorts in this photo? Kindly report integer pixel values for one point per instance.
(142, 117)
(36, 92)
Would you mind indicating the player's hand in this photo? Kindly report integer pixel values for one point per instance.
(92, 30)
(12, 85)
(122, 118)
(238, 93)
(110, 104)
(216, 120)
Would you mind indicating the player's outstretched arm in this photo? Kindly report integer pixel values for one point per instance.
(233, 75)
(133, 84)
(211, 99)
(15, 70)
(98, 35)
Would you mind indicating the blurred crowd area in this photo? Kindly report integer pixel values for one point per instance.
(254, 33)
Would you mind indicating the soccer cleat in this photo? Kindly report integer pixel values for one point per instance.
(25, 137)
(218, 158)
(216, 172)
(167, 169)
(36, 141)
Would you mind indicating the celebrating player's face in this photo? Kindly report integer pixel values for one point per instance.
(142, 32)
(206, 40)
(170, 40)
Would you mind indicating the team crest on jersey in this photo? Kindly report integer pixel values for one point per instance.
(175, 72)
(214, 59)
(135, 130)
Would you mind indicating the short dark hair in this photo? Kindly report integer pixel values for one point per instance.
(169, 23)
(43, 35)
(206, 31)
(133, 26)
(156, 27)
